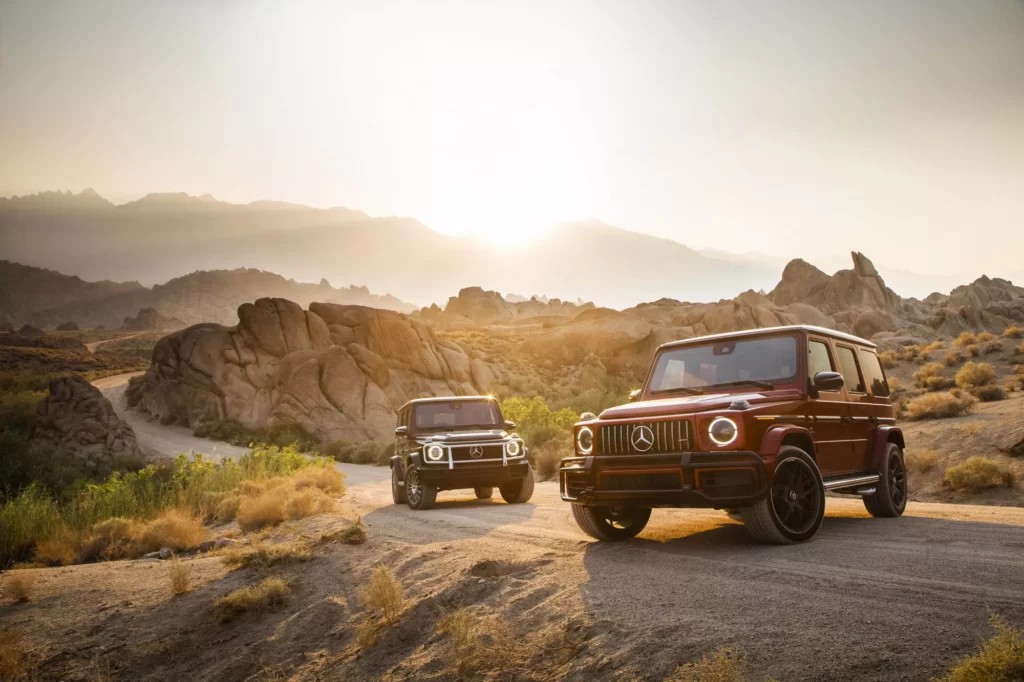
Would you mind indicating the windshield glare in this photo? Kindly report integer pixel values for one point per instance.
(772, 359)
(457, 413)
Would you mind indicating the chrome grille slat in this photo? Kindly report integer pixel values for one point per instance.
(669, 436)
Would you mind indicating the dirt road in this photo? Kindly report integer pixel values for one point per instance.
(866, 599)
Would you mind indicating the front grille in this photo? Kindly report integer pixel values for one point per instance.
(667, 437)
(461, 453)
(640, 482)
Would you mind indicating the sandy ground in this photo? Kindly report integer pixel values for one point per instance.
(866, 599)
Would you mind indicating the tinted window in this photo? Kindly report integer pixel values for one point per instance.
(873, 373)
(457, 413)
(818, 359)
(848, 364)
(771, 359)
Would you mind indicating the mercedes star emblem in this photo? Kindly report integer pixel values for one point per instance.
(642, 438)
(476, 452)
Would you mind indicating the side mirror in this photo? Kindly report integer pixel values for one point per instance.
(828, 381)
(401, 430)
(510, 425)
(634, 395)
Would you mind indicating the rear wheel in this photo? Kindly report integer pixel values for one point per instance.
(890, 496)
(611, 523)
(484, 493)
(418, 494)
(794, 506)
(397, 489)
(517, 492)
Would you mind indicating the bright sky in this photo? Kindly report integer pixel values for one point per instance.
(895, 128)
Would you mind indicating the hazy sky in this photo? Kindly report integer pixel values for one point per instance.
(891, 127)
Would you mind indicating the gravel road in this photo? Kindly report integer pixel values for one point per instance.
(866, 599)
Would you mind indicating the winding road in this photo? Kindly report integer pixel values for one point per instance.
(866, 599)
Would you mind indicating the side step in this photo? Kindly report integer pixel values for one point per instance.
(852, 481)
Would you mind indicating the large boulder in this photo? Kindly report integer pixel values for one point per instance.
(75, 417)
(858, 287)
(339, 371)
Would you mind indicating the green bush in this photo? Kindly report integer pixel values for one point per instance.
(536, 422)
(359, 452)
(281, 435)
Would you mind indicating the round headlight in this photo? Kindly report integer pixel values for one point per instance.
(585, 440)
(435, 453)
(513, 448)
(722, 430)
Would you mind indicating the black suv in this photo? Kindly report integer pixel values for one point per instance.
(451, 443)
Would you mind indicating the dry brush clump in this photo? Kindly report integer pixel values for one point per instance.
(354, 534)
(1013, 331)
(953, 357)
(263, 556)
(966, 339)
(1000, 659)
(889, 359)
(930, 377)
(15, 663)
(724, 665)
(941, 405)
(383, 596)
(988, 394)
(979, 473)
(18, 586)
(179, 574)
(267, 594)
(921, 461)
(474, 646)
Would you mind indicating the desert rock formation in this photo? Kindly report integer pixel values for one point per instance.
(149, 319)
(75, 417)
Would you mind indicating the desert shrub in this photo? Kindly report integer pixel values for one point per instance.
(992, 347)
(1013, 331)
(268, 593)
(974, 350)
(974, 374)
(15, 663)
(966, 339)
(354, 534)
(59, 549)
(907, 353)
(473, 646)
(986, 337)
(940, 405)
(175, 529)
(1000, 659)
(971, 429)
(921, 461)
(888, 358)
(264, 555)
(179, 574)
(263, 509)
(18, 586)
(724, 665)
(989, 394)
(1019, 349)
(536, 422)
(978, 473)
(938, 383)
(280, 435)
(546, 457)
(383, 597)
(953, 357)
(109, 540)
(895, 385)
(308, 502)
(359, 452)
(329, 480)
(928, 371)
(227, 508)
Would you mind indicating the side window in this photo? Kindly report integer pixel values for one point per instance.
(851, 373)
(818, 359)
(873, 373)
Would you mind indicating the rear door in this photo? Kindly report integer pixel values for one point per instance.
(829, 412)
(878, 400)
(860, 427)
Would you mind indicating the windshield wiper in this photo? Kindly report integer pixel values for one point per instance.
(685, 389)
(745, 382)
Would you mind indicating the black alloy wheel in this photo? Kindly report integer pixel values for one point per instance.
(897, 482)
(796, 496)
(890, 496)
(611, 523)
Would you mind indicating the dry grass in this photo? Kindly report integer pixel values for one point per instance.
(953, 357)
(940, 405)
(986, 337)
(268, 503)
(261, 509)
(888, 359)
(268, 593)
(989, 394)
(18, 586)
(14, 661)
(971, 429)
(547, 456)
(174, 529)
(979, 473)
(383, 597)
(1013, 331)
(263, 556)
(921, 461)
(109, 540)
(352, 535)
(928, 371)
(474, 646)
(327, 480)
(58, 550)
(309, 502)
(974, 350)
(966, 339)
(1000, 659)
(724, 665)
(975, 374)
(180, 576)
(895, 385)
(1020, 349)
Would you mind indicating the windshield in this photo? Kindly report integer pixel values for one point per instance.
(768, 359)
(457, 413)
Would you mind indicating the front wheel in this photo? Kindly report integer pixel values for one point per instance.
(611, 523)
(890, 496)
(397, 489)
(794, 506)
(418, 494)
(519, 491)
(484, 493)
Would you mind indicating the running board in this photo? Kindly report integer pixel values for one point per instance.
(866, 491)
(835, 484)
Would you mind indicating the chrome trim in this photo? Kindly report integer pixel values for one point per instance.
(887, 419)
(866, 491)
(450, 460)
(780, 418)
(827, 418)
(861, 419)
(850, 482)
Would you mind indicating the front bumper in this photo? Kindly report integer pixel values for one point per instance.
(472, 474)
(688, 479)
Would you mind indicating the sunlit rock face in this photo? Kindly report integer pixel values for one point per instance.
(76, 418)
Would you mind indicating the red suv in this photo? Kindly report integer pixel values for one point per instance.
(760, 423)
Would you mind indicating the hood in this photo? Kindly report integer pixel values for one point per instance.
(688, 404)
(475, 436)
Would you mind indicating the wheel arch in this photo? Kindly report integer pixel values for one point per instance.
(778, 436)
(883, 436)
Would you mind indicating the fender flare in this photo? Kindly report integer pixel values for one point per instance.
(399, 467)
(883, 436)
(771, 443)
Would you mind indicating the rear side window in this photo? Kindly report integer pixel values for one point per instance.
(851, 373)
(818, 359)
(873, 373)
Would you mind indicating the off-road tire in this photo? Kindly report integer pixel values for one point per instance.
(517, 492)
(890, 497)
(599, 522)
(761, 519)
(484, 493)
(397, 491)
(418, 495)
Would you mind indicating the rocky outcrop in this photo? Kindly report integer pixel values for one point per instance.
(475, 307)
(30, 332)
(149, 319)
(339, 371)
(858, 287)
(75, 417)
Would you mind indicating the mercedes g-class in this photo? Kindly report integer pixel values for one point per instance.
(759, 423)
(457, 442)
